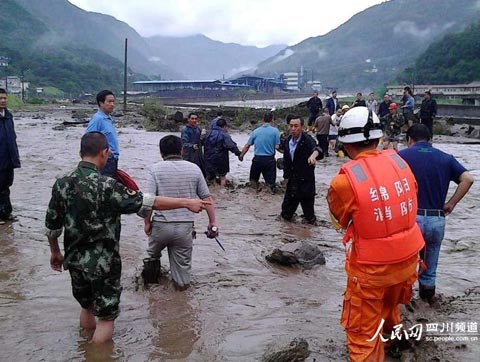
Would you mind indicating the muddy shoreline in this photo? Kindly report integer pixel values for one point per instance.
(240, 306)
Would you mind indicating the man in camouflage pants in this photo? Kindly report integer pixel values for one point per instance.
(88, 206)
(392, 125)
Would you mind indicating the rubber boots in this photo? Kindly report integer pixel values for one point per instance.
(426, 293)
(151, 270)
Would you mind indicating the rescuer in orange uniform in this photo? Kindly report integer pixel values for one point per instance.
(373, 198)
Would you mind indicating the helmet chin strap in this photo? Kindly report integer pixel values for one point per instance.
(368, 126)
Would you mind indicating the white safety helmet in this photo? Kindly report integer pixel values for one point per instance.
(359, 124)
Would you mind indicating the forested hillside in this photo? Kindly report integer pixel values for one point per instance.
(454, 59)
(72, 69)
(375, 45)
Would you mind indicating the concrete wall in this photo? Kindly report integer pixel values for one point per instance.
(459, 113)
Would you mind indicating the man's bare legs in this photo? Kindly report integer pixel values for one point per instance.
(87, 319)
(103, 332)
(103, 329)
(223, 181)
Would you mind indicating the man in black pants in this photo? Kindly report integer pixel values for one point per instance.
(428, 111)
(265, 140)
(322, 127)
(300, 157)
(314, 105)
(9, 159)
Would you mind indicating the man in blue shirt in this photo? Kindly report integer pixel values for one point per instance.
(433, 170)
(408, 106)
(103, 122)
(266, 140)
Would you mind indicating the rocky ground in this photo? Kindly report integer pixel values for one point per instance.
(159, 118)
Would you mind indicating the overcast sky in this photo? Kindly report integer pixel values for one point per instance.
(247, 22)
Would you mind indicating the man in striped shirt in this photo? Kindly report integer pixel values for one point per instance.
(174, 229)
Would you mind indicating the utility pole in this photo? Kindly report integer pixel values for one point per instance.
(125, 78)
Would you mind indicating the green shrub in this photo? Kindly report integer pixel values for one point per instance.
(245, 114)
(13, 102)
(52, 92)
(36, 101)
(154, 109)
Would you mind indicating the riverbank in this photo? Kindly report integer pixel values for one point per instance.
(162, 118)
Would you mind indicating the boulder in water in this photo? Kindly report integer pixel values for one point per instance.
(297, 351)
(303, 253)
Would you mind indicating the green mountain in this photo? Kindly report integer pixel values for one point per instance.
(54, 43)
(374, 45)
(441, 63)
(36, 53)
(70, 25)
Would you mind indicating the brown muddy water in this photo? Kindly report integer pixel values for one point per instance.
(239, 305)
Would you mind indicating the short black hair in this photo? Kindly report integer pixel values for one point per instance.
(192, 114)
(170, 146)
(92, 144)
(219, 113)
(268, 117)
(429, 93)
(222, 123)
(102, 95)
(302, 122)
(419, 132)
(290, 117)
(359, 93)
(3, 91)
(408, 90)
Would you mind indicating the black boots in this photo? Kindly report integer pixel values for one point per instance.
(151, 270)
(426, 293)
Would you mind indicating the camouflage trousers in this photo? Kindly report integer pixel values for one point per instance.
(100, 293)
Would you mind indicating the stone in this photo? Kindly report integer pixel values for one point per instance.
(81, 114)
(167, 125)
(303, 253)
(178, 116)
(297, 351)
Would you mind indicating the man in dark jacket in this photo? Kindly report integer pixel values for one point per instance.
(216, 146)
(383, 109)
(300, 157)
(9, 158)
(428, 111)
(314, 105)
(359, 101)
(332, 103)
(192, 142)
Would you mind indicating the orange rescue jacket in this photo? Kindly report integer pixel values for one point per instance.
(384, 229)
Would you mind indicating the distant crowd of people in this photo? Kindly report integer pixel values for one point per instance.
(393, 117)
(390, 205)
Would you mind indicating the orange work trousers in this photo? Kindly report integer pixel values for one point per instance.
(365, 304)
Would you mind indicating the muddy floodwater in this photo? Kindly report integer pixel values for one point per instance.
(239, 306)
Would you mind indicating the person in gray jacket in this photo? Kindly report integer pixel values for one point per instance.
(174, 229)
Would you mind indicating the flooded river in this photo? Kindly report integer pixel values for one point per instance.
(239, 305)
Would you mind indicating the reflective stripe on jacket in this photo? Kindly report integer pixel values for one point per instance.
(384, 228)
